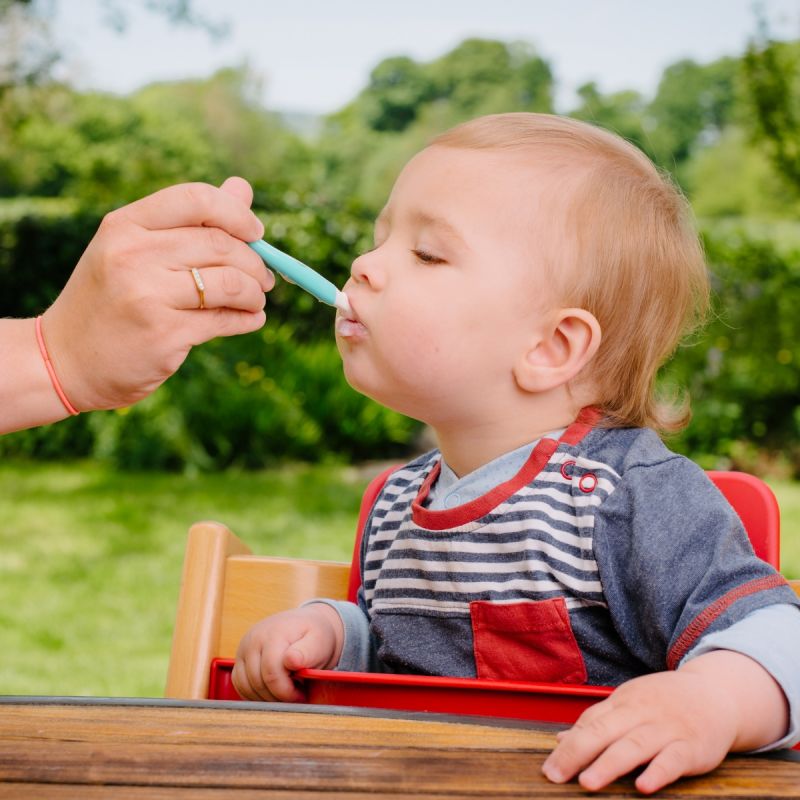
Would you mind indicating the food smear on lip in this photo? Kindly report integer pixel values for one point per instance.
(350, 328)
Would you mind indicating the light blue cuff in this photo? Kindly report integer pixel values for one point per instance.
(356, 649)
(770, 636)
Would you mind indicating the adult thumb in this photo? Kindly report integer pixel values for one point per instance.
(239, 188)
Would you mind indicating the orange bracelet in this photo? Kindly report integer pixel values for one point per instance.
(50, 371)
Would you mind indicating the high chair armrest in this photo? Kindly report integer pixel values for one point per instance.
(225, 589)
(199, 612)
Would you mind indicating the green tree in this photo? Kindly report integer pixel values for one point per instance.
(621, 112)
(482, 76)
(365, 144)
(397, 88)
(744, 371)
(735, 179)
(693, 103)
(772, 79)
(104, 150)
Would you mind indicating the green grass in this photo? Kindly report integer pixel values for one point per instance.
(788, 494)
(90, 560)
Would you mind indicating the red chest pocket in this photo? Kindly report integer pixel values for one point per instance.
(530, 641)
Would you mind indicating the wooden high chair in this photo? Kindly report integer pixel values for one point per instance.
(225, 588)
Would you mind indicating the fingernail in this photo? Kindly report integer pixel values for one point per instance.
(589, 780)
(551, 772)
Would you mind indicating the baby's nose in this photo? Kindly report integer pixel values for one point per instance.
(367, 269)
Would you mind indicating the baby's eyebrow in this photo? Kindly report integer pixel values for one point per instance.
(447, 228)
(424, 219)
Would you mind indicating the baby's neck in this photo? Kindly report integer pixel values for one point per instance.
(466, 447)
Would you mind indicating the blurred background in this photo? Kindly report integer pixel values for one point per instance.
(319, 104)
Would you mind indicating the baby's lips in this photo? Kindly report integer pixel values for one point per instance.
(349, 328)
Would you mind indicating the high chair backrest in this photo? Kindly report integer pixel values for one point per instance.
(225, 588)
(758, 509)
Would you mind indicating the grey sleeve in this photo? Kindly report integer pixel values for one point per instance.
(770, 636)
(675, 562)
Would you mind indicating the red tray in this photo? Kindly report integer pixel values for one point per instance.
(543, 702)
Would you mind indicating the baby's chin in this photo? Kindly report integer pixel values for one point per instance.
(356, 381)
(373, 387)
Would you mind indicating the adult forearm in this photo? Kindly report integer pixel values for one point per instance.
(27, 395)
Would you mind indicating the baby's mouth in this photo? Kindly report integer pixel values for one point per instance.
(350, 327)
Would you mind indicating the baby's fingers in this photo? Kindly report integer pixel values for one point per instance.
(678, 758)
(261, 676)
(278, 681)
(635, 747)
(669, 765)
(247, 679)
(578, 747)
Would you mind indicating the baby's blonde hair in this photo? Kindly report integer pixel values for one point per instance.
(635, 261)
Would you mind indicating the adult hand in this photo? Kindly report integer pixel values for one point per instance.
(129, 313)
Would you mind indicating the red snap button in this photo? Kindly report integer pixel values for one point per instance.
(587, 482)
(564, 473)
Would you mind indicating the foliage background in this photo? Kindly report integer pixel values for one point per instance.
(91, 552)
(67, 157)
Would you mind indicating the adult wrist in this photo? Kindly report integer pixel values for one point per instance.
(51, 370)
(27, 397)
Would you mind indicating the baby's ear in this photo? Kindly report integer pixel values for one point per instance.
(556, 356)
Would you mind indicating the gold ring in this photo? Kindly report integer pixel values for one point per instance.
(201, 287)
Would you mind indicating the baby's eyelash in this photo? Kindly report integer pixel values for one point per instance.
(427, 258)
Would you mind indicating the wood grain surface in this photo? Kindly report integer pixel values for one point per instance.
(161, 750)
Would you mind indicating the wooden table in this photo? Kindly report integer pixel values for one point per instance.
(131, 749)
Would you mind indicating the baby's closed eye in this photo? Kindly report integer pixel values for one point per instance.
(427, 257)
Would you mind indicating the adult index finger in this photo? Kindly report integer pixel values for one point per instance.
(188, 204)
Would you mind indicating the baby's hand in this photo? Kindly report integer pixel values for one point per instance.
(675, 721)
(679, 723)
(272, 649)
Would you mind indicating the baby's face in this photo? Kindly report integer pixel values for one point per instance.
(454, 288)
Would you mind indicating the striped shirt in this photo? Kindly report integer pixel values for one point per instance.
(596, 562)
(534, 545)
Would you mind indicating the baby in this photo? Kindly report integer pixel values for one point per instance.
(530, 274)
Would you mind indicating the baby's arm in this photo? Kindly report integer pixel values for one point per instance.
(679, 570)
(679, 723)
(310, 636)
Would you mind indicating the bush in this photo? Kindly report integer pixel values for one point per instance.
(41, 240)
(251, 402)
(743, 373)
